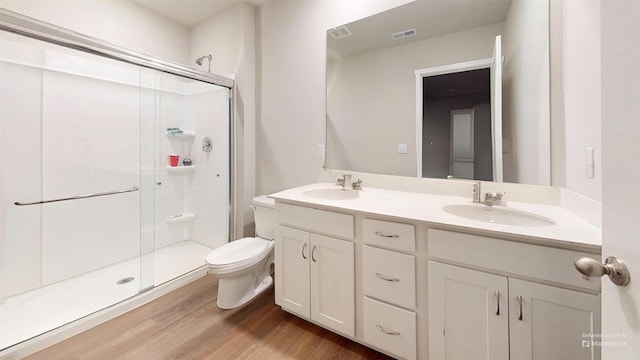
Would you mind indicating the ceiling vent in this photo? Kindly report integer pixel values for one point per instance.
(403, 34)
(339, 32)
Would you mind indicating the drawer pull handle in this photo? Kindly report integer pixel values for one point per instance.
(497, 302)
(313, 253)
(382, 277)
(519, 300)
(387, 236)
(386, 331)
(304, 247)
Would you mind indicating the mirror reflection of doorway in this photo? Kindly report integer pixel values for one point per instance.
(456, 126)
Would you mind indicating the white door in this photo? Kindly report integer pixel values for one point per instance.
(292, 275)
(333, 283)
(462, 154)
(496, 109)
(620, 24)
(468, 314)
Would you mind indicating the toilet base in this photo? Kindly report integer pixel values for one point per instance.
(236, 292)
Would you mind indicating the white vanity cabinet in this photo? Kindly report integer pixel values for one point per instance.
(498, 299)
(315, 273)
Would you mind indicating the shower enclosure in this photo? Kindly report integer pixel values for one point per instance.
(91, 211)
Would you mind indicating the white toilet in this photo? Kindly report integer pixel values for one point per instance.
(243, 266)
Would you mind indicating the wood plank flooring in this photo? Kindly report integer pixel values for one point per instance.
(186, 324)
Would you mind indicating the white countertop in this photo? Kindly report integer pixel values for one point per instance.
(569, 231)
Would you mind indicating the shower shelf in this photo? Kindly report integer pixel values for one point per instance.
(187, 135)
(180, 218)
(180, 169)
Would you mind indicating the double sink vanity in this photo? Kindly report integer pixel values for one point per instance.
(432, 275)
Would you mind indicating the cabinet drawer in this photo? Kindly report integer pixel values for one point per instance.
(390, 235)
(532, 261)
(318, 221)
(390, 328)
(389, 276)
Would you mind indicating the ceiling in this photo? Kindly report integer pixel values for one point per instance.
(191, 12)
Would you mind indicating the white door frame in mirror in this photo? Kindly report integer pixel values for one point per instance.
(440, 70)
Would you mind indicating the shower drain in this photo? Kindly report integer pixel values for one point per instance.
(125, 280)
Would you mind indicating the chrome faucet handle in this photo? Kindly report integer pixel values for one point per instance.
(493, 198)
(340, 182)
(357, 185)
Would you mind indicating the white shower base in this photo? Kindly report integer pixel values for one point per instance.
(35, 312)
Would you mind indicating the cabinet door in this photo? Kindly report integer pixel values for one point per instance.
(468, 315)
(292, 249)
(551, 323)
(333, 283)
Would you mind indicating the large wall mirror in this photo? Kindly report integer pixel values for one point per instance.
(411, 91)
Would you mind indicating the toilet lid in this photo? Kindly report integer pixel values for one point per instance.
(238, 251)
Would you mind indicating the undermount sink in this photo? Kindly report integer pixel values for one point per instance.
(332, 194)
(498, 215)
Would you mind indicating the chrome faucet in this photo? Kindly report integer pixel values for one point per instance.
(357, 185)
(476, 191)
(346, 179)
(493, 198)
(477, 185)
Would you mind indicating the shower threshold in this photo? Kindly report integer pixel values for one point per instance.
(30, 314)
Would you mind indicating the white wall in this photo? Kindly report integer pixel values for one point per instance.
(526, 115)
(230, 38)
(291, 107)
(121, 22)
(362, 134)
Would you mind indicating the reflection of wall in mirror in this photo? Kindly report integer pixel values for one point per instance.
(525, 79)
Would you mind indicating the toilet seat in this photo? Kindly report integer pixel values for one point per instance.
(239, 254)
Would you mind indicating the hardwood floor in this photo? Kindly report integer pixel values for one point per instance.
(186, 324)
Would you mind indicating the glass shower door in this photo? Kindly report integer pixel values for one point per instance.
(73, 188)
(193, 195)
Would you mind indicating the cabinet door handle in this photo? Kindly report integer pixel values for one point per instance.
(497, 302)
(519, 300)
(313, 253)
(304, 247)
(387, 236)
(382, 277)
(386, 331)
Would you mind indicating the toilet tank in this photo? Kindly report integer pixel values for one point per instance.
(265, 216)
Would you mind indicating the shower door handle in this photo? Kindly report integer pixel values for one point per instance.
(78, 197)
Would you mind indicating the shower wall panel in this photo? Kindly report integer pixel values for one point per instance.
(202, 109)
(171, 112)
(210, 188)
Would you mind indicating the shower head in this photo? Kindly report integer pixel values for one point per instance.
(199, 60)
